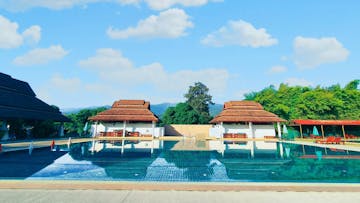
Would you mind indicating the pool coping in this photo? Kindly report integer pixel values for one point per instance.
(178, 186)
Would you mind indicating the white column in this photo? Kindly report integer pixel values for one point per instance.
(223, 129)
(279, 130)
(61, 130)
(281, 150)
(251, 130)
(122, 146)
(124, 129)
(95, 130)
(252, 149)
(5, 128)
(153, 129)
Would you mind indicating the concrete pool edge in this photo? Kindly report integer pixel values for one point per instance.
(178, 186)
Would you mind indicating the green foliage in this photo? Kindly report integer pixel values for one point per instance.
(78, 120)
(44, 129)
(199, 99)
(289, 103)
(182, 113)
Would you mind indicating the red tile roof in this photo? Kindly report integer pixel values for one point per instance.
(127, 110)
(326, 122)
(245, 111)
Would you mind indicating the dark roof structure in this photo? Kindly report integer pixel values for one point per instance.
(245, 111)
(127, 110)
(18, 101)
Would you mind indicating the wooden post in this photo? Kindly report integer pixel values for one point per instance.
(322, 131)
(301, 132)
(343, 130)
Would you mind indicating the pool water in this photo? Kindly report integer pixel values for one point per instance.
(187, 160)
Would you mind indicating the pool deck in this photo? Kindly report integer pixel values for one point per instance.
(178, 186)
(124, 196)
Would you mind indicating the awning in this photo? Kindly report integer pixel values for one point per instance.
(326, 122)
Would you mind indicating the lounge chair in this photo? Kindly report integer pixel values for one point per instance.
(328, 140)
(338, 141)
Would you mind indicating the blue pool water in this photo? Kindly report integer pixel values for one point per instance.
(185, 160)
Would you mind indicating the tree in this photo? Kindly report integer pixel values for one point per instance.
(182, 113)
(332, 102)
(79, 119)
(199, 99)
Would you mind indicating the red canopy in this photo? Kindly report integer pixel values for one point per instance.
(327, 122)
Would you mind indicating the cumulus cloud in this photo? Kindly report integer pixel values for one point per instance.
(11, 38)
(21, 5)
(171, 23)
(298, 82)
(313, 52)
(66, 84)
(33, 34)
(277, 69)
(41, 56)
(239, 33)
(113, 67)
(165, 4)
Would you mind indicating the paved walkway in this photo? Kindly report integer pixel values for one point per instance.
(88, 196)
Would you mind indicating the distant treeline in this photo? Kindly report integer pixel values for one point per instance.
(334, 102)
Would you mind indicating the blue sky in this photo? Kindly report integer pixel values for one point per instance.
(79, 53)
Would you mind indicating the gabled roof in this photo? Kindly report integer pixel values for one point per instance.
(326, 122)
(127, 110)
(18, 100)
(245, 111)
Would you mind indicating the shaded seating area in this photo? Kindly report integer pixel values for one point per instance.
(119, 133)
(345, 129)
(235, 135)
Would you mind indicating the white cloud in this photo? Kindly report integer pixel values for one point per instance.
(171, 23)
(11, 38)
(111, 66)
(298, 82)
(66, 84)
(41, 56)
(239, 33)
(312, 52)
(33, 34)
(21, 5)
(165, 4)
(277, 69)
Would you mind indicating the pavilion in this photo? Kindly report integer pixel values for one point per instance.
(127, 118)
(245, 119)
(18, 101)
(322, 123)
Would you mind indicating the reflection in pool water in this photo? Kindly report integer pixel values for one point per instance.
(185, 160)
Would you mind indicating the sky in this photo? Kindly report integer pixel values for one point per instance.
(82, 53)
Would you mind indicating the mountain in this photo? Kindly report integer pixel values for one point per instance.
(215, 109)
(159, 109)
(76, 110)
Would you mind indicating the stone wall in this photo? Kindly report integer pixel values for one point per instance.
(198, 131)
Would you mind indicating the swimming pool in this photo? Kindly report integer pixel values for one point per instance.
(187, 160)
